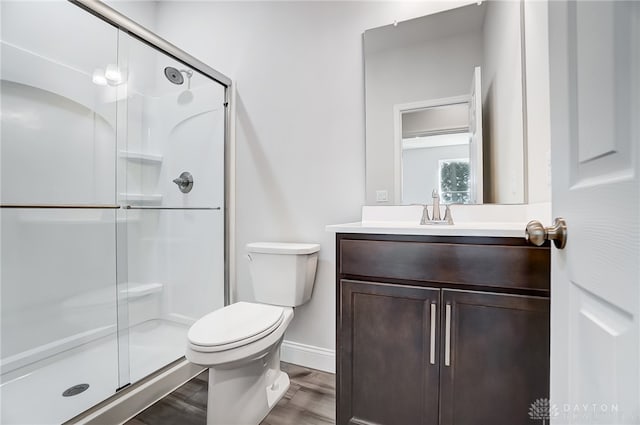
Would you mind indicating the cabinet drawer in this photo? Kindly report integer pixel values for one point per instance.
(505, 266)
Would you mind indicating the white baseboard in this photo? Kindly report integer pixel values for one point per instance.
(308, 356)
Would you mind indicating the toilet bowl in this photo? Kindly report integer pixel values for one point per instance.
(240, 343)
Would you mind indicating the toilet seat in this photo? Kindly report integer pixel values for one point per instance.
(234, 326)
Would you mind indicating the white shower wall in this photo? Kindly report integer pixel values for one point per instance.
(180, 249)
(66, 152)
(174, 249)
(171, 130)
(57, 147)
(58, 274)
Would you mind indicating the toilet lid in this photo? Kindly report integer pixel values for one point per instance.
(235, 322)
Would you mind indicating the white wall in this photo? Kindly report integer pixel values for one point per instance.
(538, 113)
(300, 121)
(502, 104)
(142, 12)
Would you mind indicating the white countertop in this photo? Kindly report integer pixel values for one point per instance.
(470, 220)
(494, 229)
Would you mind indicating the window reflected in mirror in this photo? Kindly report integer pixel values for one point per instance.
(441, 148)
(435, 154)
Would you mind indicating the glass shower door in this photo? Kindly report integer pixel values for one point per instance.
(171, 184)
(109, 249)
(58, 221)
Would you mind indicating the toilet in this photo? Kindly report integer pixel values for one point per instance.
(240, 343)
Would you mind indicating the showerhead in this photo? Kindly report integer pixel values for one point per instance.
(173, 75)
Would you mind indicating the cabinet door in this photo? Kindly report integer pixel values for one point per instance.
(495, 357)
(388, 365)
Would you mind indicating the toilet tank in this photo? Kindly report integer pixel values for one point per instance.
(282, 273)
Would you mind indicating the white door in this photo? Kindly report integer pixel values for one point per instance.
(475, 144)
(595, 131)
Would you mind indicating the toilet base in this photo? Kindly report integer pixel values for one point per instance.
(244, 395)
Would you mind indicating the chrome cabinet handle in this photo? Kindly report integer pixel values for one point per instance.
(432, 342)
(536, 233)
(447, 336)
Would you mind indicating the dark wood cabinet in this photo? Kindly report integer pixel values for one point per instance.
(390, 378)
(420, 342)
(498, 357)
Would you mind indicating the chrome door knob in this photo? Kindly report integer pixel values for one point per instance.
(536, 233)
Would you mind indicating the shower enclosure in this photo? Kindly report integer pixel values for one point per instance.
(112, 175)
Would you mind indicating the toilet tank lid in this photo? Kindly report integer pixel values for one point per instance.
(283, 248)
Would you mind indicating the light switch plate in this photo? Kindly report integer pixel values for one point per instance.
(382, 196)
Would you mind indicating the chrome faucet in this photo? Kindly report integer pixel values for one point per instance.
(436, 219)
(436, 205)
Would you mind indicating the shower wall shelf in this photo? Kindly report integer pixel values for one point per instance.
(141, 156)
(135, 290)
(141, 198)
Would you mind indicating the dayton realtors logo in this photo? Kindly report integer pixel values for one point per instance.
(542, 410)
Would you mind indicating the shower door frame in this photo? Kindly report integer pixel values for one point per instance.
(123, 23)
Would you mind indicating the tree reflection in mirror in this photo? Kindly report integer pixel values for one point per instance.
(454, 181)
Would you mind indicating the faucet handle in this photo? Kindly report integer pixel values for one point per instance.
(425, 213)
(447, 215)
(434, 194)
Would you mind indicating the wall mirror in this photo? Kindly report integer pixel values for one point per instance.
(444, 107)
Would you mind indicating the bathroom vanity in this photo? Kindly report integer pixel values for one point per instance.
(440, 329)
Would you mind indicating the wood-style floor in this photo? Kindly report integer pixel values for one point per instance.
(310, 400)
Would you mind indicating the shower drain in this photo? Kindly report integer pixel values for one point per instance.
(75, 390)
